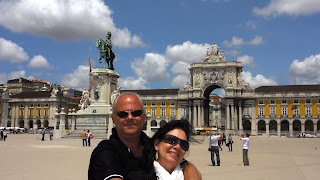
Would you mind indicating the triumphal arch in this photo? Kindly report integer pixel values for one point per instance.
(212, 73)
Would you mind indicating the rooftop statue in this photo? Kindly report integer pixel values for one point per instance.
(214, 55)
(106, 52)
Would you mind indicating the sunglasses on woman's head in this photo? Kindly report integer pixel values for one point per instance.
(124, 114)
(174, 140)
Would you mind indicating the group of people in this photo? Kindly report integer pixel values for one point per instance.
(3, 134)
(215, 142)
(86, 137)
(131, 154)
(50, 134)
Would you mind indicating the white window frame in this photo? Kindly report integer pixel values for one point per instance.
(261, 111)
(246, 111)
(163, 112)
(31, 112)
(46, 113)
(273, 111)
(284, 111)
(185, 112)
(296, 112)
(308, 111)
(153, 112)
(38, 112)
(172, 112)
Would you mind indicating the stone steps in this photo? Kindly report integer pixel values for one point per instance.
(97, 134)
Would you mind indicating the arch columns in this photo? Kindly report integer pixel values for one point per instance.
(279, 127)
(199, 115)
(240, 118)
(291, 129)
(267, 128)
(303, 127)
(228, 118)
(194, 116)
(254, 121)
(190, 114)
(232, 118)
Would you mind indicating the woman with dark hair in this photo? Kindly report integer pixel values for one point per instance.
(170, 144)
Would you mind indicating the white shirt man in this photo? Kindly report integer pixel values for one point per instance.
(214, 148)
(245, 148)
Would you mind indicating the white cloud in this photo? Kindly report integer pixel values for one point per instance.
(180, 80)
(79, 79)
(132, 83)
(257, 81)
(306, 71)
(246, 60)
(10, 51)
(187, 52)
(232, 52)
(181, 68)
(153, 67)
(39, 62)
(238, 41)
(4, 77)
(256, 40)
(65, 20)
(289, 7)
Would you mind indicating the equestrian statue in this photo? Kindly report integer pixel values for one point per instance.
(106, 52)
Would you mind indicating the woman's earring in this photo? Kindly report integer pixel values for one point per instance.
(156, 156)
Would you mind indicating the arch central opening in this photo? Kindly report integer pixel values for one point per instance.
(214, 106)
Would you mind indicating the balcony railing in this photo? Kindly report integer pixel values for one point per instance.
(284, 115)
(296, 115)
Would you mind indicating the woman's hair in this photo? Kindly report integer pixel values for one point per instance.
(159, 135)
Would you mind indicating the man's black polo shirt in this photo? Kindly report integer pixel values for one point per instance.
(112, 159)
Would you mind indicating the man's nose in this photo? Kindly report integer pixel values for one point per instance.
(129, 116)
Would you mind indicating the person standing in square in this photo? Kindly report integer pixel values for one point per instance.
(84, 136)
(245, 148)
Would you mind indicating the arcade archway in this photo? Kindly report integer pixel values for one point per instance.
(206, 106)
(246, 125)
(309, 125)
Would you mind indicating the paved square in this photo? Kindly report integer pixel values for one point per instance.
(25, 156)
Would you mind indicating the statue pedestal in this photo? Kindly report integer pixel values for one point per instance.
(102, 83)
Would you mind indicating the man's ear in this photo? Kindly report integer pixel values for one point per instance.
(113, 118)
(156, 144)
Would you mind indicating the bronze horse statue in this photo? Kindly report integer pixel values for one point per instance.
(106, 52)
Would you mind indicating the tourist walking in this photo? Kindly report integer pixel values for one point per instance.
(4, 134)
(84, 136)
(214, 148)
(224, 139)
(89, 137)
(230, 142)
(245, 148)
(51, 134)
(43, 133)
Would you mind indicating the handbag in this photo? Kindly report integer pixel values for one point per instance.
(91, 136)
(209, 149)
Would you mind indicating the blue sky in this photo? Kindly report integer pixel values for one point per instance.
(277, 41)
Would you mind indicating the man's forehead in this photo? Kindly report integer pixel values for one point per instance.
(128, 99)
